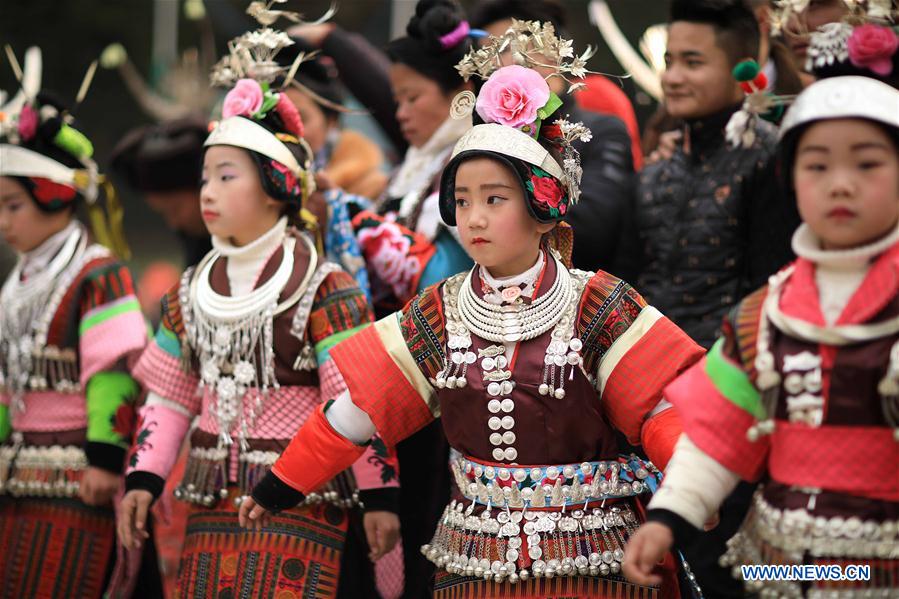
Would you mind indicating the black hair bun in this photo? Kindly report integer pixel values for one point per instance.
(433, 19)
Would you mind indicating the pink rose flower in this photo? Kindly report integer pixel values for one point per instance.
(512, 96)
(243, 100)
(510, 294)
(872, 46)
(289, 114)
(28, 121)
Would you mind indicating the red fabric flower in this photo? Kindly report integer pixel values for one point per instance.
(290, 180)
(123, 421)
(548, 191)
(289, 114)
(46, 190)
(872, 46)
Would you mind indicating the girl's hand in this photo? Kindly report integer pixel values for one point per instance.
(646, 549)
(131, 523)
(382, 530)
(252, 515)
(98, 486)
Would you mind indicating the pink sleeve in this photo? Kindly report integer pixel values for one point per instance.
(161, 428)
(378, 467)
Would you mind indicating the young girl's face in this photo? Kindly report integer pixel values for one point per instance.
(494, 224)
(846, 175)
(233, 204)
(22, 224)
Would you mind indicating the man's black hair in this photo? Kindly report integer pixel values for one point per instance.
(736, 28)
(486, 12)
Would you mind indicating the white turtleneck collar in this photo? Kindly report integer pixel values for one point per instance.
(245, 263)
(838, 273)
(37, 259)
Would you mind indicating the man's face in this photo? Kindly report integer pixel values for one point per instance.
(697, 81)
(180, 209)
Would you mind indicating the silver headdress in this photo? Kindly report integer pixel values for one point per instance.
(534, 47)
(250, 67)
(844, 97)
(25, 119)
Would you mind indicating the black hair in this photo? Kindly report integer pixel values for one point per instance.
(736, 28)
(318, 74)
(162, 157)
(483, 14)
(846, 68)
(421, 49)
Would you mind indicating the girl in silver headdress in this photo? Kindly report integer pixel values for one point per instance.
(802, 390)
(530, 365)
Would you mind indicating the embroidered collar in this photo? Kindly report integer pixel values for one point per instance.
(512, 289)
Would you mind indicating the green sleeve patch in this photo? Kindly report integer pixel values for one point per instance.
(323, 347)
(5, 424)
(732, 382)
(111, 414)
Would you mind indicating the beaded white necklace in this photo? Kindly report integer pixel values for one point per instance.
(562, 351)
(233, 336)
(516, 322)
(28, 308)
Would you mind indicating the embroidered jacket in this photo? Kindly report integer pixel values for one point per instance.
(331, 308)
(820, 433)
(78, 393)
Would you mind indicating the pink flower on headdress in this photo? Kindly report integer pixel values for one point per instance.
(289, 114)
(872, 46)
(28, 121)
(244, 100)
(512, 96)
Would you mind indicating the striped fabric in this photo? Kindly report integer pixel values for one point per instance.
(642, 364)
(391, 390)
(451, 586)
(57, 548)
(422, 325)
(608, 307)
(296, 555)
(339, 306)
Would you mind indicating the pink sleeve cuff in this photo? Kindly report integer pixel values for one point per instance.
(161, 430)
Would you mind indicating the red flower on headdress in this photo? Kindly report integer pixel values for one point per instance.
(289, 114)
(290, 180)
(872, 46)
(547, 190)
(28, 122)
(46, 191)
